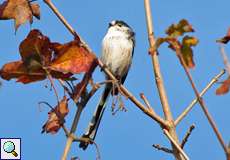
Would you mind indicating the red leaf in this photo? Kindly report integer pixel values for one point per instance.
(56, 117)
(19, 10)
(224, 88)
(36, 50)
(226, 38)
(19, 71)
(71, 57)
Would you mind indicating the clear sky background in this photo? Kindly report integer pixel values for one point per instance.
(127, 135)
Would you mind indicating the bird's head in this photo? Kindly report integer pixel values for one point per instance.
(121, 26)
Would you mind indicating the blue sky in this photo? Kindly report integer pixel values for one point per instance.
(127, 135)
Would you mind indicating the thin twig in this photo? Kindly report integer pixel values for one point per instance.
(58, 115)
(98, 151)
(175, 144)
(64, 86)
(59, 15)
(146, 102)
(185, 139)
(52, 84)
(192, 104)
(133, 99)
(158, 147)
(80, 108)
(66, 24)
(201, 102)
(225, 58)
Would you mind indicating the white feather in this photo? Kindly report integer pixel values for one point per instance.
(117, 50)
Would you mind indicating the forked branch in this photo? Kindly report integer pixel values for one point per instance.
(192, 104)
(201, 102)
(160, 85)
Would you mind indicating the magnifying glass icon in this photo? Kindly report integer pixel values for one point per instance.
(9, 147)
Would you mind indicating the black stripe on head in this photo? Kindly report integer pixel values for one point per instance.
(122, 23)
(118, 22)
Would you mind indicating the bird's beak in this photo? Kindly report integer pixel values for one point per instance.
(110, 24)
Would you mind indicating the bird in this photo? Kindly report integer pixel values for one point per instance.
(117, 54)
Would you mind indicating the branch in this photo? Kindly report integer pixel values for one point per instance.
(158, 147)
(146, 102)
(156, 66)
(80, 108)
(132, 98)
(175, 144)
(191, 128)
(66, 24)
(159, 81)
(201, 102)
(189, 108)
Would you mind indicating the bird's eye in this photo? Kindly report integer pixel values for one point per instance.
(119, 25)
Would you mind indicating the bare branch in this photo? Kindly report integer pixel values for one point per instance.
(65, 88)
(80, 108)
(191, 128)
(146, 102)
(159, 80)
(66, 24)
(132, 98)
(192, 104)
(175, 144)
(158, 147)
(201, 102)
(52, 84)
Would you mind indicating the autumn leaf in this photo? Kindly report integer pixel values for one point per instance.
(37, 53)
(56, 117)
(18, 70)
(72, 57)
(183, 47)
(225, 39)
(19, 10)
(224, 88)
(159, 41)
(176, 30)
(36, 50)
(186, 50)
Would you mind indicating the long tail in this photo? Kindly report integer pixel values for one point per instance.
(91, 131)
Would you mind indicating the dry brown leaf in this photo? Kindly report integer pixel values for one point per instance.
(72, 57)
(56, 117)
(19, 10)
(224, 88)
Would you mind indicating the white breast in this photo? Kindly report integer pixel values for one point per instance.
(117, 52)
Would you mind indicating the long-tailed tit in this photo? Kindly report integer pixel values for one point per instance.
(117, 52)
